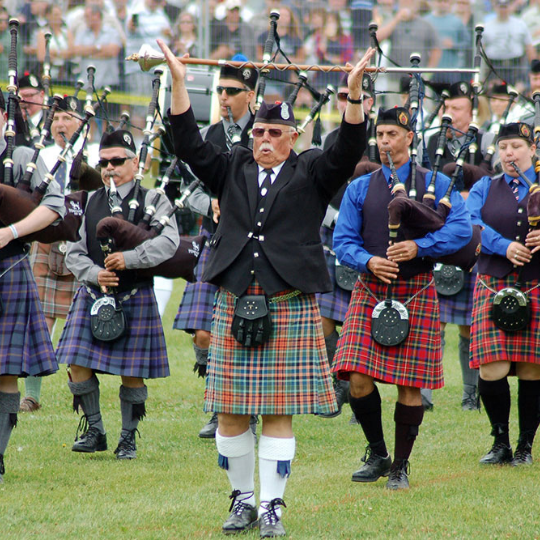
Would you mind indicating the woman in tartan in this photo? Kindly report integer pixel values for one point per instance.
(272, 202)
(509, 250)
(361, 242)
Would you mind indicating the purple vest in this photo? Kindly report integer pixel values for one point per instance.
(375, 221)
(508, 217)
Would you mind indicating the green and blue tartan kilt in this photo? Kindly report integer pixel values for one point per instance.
(489, 343)
(457, 309)
(287, 375)
(25, 343)
(140, 352)
(417, 362)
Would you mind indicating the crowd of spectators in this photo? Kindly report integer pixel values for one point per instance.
(103, 32)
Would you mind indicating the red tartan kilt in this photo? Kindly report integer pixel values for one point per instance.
(489, 343)
(289, 374)
(417, 362)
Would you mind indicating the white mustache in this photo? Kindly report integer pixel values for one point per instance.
(267, 146)
(111, 174)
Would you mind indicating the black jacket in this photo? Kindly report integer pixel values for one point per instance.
(295, 206)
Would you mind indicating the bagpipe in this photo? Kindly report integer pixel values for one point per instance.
(17, 202)
(122, 234)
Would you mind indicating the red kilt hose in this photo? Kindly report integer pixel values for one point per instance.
(489, 343)
(56, 284)
(288, 374)
(417, 362)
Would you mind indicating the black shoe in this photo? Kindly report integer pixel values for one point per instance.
(428, 405)
(2, 468)
(499, 454)
(242, 518)
(253, 421)
(341, 390)
(399, 476)
(470, 401)
(270, 524)
(208, 431)
(91, 441)
(375, 467)
(523, 455)
(127, 449)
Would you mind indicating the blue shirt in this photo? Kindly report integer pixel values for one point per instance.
(348, 242)
(493, 243)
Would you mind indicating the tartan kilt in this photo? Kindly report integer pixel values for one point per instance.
(55, 291)
(287, 375)
(417, 362)
(141, 352)
(333, 305)
(197, 305)
(457, 309)
(25, 343)
(489, 343)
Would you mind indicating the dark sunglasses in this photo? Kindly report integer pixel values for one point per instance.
(342, 96)
(273, 132)
(230, 90)
(115, 162)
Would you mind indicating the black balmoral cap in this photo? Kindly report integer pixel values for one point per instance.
(516, 130)
(398, 116)
(460, 89)
(245, 75)
(70, 104)
(277, 113)
(28, 80)
(535, 66)
(120, 138)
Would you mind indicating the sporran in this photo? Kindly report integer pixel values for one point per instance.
(390, 323)
(346, 277)
(107, 319)
(511, 310)
(449, 279)
(251, 325)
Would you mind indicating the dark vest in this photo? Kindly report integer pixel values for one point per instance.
(447, 156)
(375, 220)
(216, 135)
(251, 264)
(512, 224)
(15, 247)
(97, 209)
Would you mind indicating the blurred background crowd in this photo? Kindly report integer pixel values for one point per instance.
(103, 32)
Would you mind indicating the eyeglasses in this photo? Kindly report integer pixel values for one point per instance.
(275, 133)
(230, 90)
(115, 162)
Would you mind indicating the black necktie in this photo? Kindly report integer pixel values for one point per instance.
(60, 175)
(265, 186)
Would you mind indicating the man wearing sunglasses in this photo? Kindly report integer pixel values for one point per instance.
(32, 97)
(267, 244)
(140, 353)
(235, 91)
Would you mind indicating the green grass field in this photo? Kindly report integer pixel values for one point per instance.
(175, 490)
